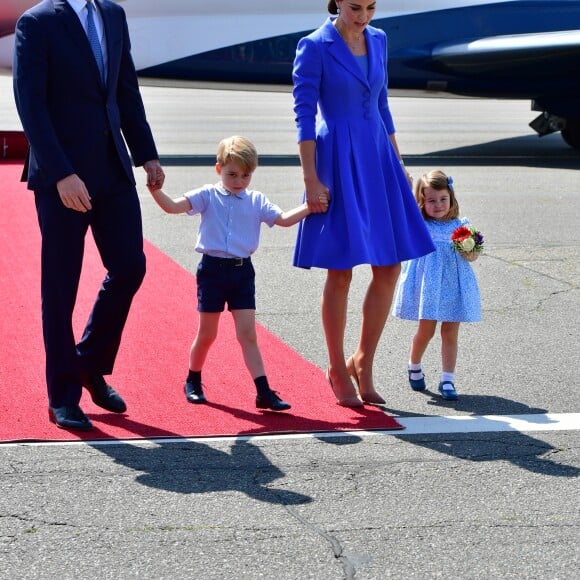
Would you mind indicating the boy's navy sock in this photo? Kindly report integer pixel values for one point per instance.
(262, 385)
(194, 377)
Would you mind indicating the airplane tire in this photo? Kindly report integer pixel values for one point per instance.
(571, 133)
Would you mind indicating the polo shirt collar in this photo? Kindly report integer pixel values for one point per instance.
(223, 191)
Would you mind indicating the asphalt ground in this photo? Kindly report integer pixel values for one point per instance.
(365, 506)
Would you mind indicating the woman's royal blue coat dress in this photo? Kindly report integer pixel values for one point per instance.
(372, 216)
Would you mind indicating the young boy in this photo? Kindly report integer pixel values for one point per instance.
(229, 231)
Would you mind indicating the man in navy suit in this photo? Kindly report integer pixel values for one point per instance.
(78, 99)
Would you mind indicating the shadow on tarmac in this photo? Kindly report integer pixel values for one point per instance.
(287, 422)
(515, 447)
(192, 467)
(525, 151)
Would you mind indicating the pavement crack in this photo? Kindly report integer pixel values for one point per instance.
(336, 546)
(346, 560)
(519, 264)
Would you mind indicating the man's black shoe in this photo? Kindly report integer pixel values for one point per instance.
(271, 401)
(103, 394)
(69, 417)
(194, 393)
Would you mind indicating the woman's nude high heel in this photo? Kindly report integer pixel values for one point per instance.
(370, 397)
(347, 401)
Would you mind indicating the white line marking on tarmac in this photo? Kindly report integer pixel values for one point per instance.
(413, 426)
(491, 423)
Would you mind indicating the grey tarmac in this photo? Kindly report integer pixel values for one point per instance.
(500, 505)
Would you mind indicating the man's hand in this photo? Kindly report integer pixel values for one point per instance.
(73, 193)
(155, 174)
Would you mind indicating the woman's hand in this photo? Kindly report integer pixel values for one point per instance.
(409, 177)
(317, 195)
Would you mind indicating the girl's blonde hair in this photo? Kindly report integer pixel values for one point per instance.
(238, 150)
(437, 180)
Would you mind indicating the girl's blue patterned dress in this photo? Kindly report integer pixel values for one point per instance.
(439, 286)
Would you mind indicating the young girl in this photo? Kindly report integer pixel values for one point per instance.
(439, 287)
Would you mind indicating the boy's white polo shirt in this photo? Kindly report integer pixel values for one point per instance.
(230, 223)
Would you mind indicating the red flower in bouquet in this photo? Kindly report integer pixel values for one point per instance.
(467, 239)
(461, 233)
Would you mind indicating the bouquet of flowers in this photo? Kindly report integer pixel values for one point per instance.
(467, 239)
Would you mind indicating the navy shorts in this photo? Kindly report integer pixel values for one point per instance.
(222, 281)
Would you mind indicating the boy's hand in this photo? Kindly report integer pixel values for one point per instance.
(323, 199)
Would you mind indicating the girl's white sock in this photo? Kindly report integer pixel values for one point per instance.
(447, 377)
(416, 372)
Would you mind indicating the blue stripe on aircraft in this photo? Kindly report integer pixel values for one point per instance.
(414, 40)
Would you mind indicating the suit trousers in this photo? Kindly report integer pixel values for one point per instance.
(116, 224)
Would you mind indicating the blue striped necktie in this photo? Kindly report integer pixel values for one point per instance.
(94, 39)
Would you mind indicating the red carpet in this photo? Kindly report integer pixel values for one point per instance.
(152, 362)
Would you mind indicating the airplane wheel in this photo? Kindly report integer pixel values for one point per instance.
(571, 133)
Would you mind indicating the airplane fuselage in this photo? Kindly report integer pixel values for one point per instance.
(518, 49)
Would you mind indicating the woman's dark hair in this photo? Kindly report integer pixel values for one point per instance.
(332, 7)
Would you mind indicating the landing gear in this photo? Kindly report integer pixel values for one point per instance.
(571, 133)
(547, 123)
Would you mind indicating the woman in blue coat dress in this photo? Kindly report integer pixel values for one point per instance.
(352, 157)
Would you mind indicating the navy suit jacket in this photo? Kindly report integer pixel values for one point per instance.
(67, 114)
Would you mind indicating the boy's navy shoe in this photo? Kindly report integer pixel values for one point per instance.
(194, 393)
(417, 384)
(271, 401)
(447, 390)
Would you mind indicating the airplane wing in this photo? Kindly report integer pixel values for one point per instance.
(551, 52)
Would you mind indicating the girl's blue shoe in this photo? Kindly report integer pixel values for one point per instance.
(447, 390)
(417, 384)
